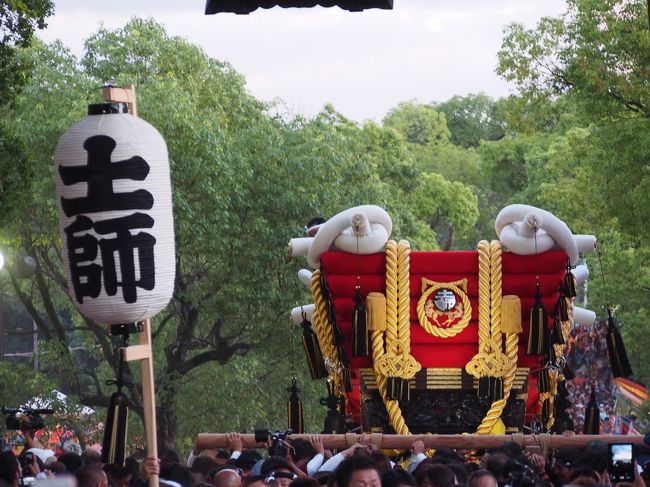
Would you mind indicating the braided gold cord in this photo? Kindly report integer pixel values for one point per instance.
(324, 334)
(496, 279)
(404, 294)
(397, 360)
(489, 361)
(392, 407)
(484, 296)
(512, 339)
(392, 335)
(391, 291)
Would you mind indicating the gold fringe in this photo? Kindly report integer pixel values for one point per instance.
(511, 314)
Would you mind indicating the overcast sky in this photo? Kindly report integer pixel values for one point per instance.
(364, 63)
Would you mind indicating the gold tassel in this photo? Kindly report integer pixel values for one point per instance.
(376, 311)
(511, 314)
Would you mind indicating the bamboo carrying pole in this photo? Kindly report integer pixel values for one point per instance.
(473, 441)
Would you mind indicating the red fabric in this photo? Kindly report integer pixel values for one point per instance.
(344, 271)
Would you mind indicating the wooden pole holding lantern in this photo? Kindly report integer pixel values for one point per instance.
(116, 222)
(142, 352)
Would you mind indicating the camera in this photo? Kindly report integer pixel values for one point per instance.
(25, 418)
(279, 446)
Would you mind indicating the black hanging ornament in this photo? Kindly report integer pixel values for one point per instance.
(550, 355)
(568, 372)
(397, 389)
(569, 283)
(295, 417)
(359, 329)
(561, 311)
(592, 416)
(115, 428)
(544, 380)
(537, 332)
(483, 391)
(325, 290)
(546, 411)
(557, 338)
(334, 421)
(616, 349)
(496, 388)
(312, 349)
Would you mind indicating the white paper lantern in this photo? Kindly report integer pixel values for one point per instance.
(115, 215)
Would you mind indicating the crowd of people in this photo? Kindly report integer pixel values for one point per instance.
(306, 463)
(587, 357)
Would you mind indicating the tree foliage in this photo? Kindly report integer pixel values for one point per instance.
(244, 182)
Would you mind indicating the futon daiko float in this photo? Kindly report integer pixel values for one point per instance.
(445, 341)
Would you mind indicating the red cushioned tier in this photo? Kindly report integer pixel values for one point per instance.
(343, 271)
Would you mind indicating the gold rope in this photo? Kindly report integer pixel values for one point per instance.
(325, 335)
(422, 316)
(397, 361)
(489, 361)
(512, 339)
(378, 353)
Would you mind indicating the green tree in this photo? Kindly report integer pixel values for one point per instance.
(473, 118)
(418, 123)
(244, 183)
(18, 21)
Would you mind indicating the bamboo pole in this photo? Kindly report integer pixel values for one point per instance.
(473, 441)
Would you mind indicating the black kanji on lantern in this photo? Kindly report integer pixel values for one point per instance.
(83, 249)
(127, 257)
(99, 174)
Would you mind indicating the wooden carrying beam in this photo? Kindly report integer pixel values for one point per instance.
(474, 441)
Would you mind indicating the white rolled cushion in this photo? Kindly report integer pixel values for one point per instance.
(296, 313)
(583, 317)
(586, 243)
(304, 276)
(298, 247)
(330, 231)
(581, 273)
(552, 225)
